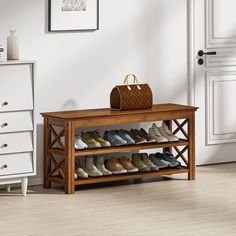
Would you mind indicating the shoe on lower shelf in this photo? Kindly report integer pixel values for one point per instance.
(90, 168)
(167, 156)
(127, 164)
(157, 159)
(137, 162)
(79, 171)
(63, 170)
(101, 167)
(113, 165)
(147, 161)
(89, 140)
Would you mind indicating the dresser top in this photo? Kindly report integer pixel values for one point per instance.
(106, 112)
(16, 62)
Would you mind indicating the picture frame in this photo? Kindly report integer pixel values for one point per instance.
(73, 15)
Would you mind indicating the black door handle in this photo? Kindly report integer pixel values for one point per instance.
(201, 53)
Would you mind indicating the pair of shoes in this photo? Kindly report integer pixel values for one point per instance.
(98, 170)
(123, 137)
(120, 165)
(163, 160)
(158, 160)
(115, 140)
(167, 156)
(143, 162)
(162, 134)
(124, 134)
(94, 140)
(141, 136)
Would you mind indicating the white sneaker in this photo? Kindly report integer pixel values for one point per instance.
(91, 169)
(101, 167)
(79, 144)
(80, 172)
(157, 135)
(164, 130)
(63, 169)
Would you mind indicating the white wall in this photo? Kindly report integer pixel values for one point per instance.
(78, 70)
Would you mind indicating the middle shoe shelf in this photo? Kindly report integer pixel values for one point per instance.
(130, 148)
(91, 142)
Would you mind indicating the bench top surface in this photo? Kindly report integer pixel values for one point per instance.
(106, 112)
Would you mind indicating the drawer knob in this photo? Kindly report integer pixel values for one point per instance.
(4, 145)
(4, 125)
(5, 104)
(4, 167)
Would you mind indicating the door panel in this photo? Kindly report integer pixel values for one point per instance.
(220, 23)
(221, 112)
(215, 81)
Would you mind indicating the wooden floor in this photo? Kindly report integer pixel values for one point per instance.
(206, 206)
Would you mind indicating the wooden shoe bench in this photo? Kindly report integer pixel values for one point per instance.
(58, 124)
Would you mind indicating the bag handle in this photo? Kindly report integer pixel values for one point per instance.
(135, 81)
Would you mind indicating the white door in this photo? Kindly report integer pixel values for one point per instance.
(215, 80)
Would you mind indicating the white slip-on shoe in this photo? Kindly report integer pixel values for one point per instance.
(79, 171)
(79, 144)
(90, 168)
(101, 167)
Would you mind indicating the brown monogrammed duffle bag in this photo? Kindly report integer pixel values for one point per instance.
(131, 96)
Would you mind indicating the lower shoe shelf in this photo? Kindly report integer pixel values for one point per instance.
(137, 175)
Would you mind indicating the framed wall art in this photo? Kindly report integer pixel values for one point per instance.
(73, 15)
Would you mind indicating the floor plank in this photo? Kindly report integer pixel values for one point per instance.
(156, 206)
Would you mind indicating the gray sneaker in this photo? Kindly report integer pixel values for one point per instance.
(114, 138)
(167, 156)
(137, 162)
(125, 136)
(157, 159)
(147, 161)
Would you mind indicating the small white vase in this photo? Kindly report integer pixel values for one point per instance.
(2, 52)
(12, 46)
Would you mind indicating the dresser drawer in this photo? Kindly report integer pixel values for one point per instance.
(16, 88)
(16, 142)
(16, 121)
(16, 164)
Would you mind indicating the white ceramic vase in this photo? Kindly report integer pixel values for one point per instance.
(12, 46)
(1, 53)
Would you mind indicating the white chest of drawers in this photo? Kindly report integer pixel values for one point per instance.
(17, 123)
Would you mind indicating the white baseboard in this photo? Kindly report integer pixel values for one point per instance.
(36, 180)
